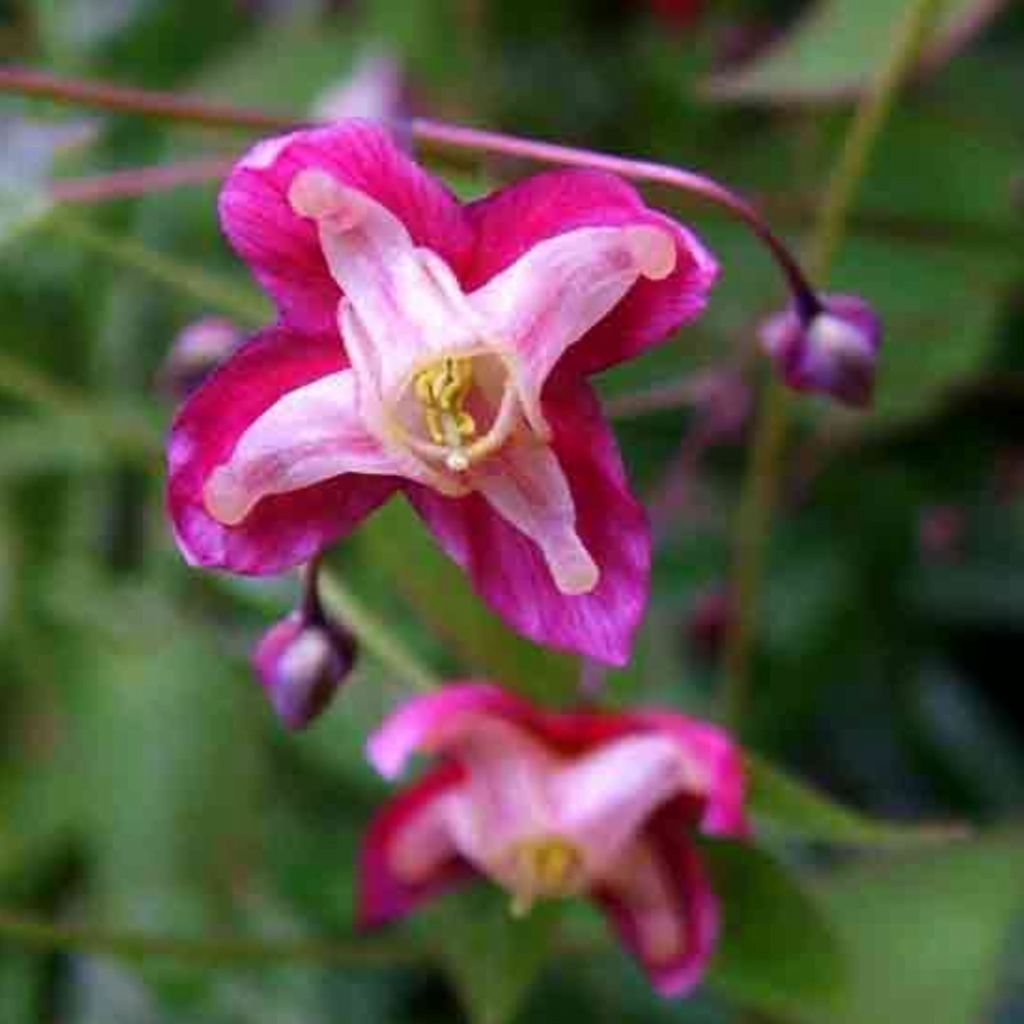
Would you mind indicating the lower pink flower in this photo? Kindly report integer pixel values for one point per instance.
(554, 805)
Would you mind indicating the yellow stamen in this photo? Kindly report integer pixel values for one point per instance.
(442, 389)
(548, 866)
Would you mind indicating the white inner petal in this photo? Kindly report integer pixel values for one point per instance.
(526, 485)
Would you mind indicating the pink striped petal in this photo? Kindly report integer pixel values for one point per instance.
(662, 907)
(512, 221)
(508, 569)
(721, 762)
(282, 530)
(526, 486)
(407, 855)
(403, 303)
(711, 763)
(311, 434)
(563, 286)
(283, 248)
(427, 723)
(604, 797)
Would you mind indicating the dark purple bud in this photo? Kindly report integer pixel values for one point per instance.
(835, 353)
(301, 664)
(710, 619)
(196, 352)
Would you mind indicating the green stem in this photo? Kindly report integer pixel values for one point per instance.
(26, 931)
(374, 634)
(761, 488)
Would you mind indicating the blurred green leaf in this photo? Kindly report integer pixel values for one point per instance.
(787, 808)
(777, 950)
(30, 148)
(839, 46)
(922, 937)
(252, 70)
(402, 548)
(31, 446)
(491, 957)
(70, 28)
(167, 744)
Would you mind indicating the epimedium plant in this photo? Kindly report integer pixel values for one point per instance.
(470, 425)
(440, 351)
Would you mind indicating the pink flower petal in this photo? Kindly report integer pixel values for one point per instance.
(722, 764)
(511, 222)
(662, 906)
(310, 434)
(559, 289)
(426, 723)
(508, 569)
(403, 303)
(406, 855)
(525, 485)
(282, 530)
(283, 249)
(604, 797)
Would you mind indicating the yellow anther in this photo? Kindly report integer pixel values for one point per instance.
(549, 866)
(442, 389)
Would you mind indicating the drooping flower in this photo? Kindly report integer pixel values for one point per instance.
(556, 805)
(835, 354)
(442, 351)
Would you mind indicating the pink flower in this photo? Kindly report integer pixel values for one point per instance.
(442, 351)
(551, 805)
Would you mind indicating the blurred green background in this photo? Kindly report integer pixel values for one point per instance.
(146, 789)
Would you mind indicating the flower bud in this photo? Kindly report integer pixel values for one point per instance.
(301, 664)
(834, 354)
(196, 352)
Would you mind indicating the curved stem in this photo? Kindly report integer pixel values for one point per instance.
(762, 483)
(436, 132)
(24, 930)
(138, 181)
(167, 106)
(173, 106)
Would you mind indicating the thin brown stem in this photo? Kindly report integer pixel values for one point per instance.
(178, 107)
(436, 133)
(138, 181)
(167, 106)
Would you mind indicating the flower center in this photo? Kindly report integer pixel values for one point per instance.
(442, 390)
(546, 867)
(458, 408)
